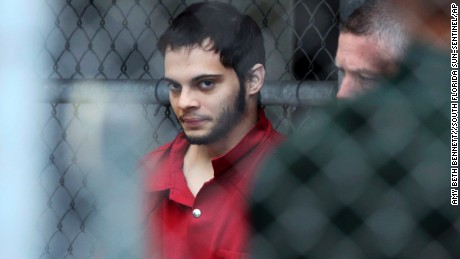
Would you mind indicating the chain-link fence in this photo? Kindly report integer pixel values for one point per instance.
(373, 178)
(106, 107)
(367, 181)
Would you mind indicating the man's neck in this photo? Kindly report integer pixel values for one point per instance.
(198, 158)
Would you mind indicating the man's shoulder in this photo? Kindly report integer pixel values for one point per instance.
(277, 136)
(274, 137)
(158, 151)
(151, 159)
(271, 137)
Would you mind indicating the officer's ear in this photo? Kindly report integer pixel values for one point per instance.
(255, 79)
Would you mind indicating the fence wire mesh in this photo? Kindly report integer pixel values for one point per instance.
(116, 40)
(93, 148)
(371, 180)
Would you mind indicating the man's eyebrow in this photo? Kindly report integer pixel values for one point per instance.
(169, 80)
(197, 78)
(207, 76)
(365, 71)
(361, 71)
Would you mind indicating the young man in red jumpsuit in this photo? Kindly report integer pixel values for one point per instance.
(198, 185)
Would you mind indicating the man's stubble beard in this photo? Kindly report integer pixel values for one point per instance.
(227, 120)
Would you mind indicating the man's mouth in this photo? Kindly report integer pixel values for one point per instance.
(193, 122)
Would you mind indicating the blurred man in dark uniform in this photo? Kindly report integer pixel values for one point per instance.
(372, 179)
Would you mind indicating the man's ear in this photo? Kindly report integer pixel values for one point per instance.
(255, 79)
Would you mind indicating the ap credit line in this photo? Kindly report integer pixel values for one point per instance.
(454, 105)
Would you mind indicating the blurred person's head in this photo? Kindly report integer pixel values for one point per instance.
(214, 65)
(371, 44)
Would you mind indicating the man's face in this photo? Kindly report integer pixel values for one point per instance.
(363, 62)
(205, 96)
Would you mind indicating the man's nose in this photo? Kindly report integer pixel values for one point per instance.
(188, 99)
(346, 88)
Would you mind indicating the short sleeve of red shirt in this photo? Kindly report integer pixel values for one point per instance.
(215, 223)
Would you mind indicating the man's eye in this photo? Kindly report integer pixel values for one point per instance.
(368, 78)
(206, 84)
(368, 82)
(174, 86)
